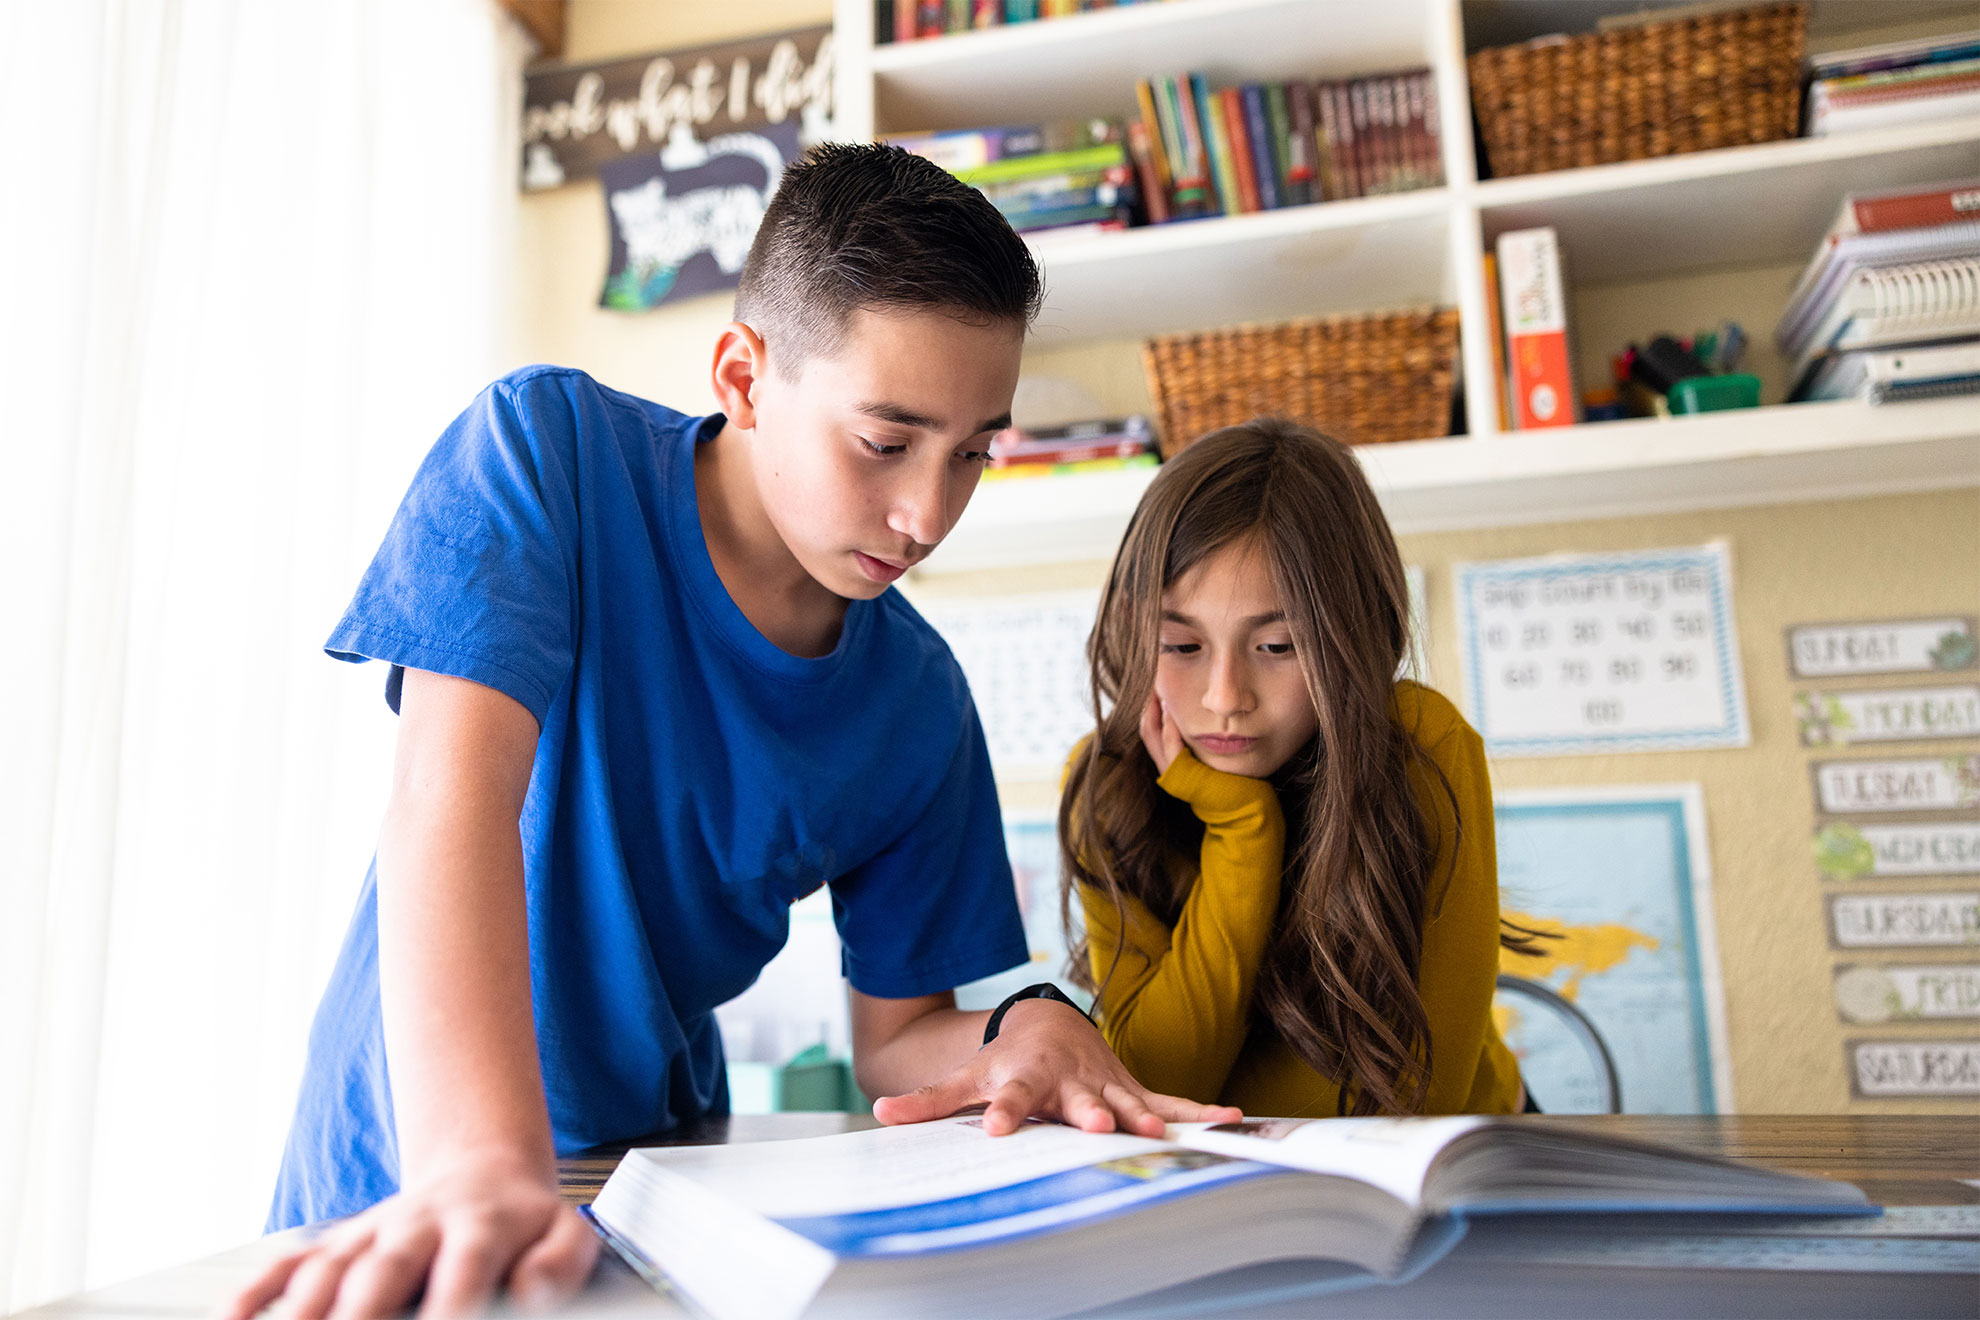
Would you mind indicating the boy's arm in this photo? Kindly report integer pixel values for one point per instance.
(478, 1179)
(922, 1057)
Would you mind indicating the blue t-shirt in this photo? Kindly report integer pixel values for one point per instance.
(691, 780)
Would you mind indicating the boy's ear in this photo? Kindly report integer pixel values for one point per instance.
(740, 367)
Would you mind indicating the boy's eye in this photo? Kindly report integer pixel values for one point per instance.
(880, 450)
(980, 457)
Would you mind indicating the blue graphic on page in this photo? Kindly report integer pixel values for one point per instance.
(1003, 1214)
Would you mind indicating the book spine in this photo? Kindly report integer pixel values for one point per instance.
(1364, 161)
(1260, 132)
(986, 13)
(1918, 210)
(1195, 185)
(1280, 122)
(1003, 171)
(1232, 100)
(1535, 307)
(931, 18)
(905, 13)
(1158, 152)
(1154, 192)
(1186, 195)
(1495, 326)
(1223, 185)
(1075, 453)
(1020, 11)
(1433, 129)
(1026, 221)
(1382, 111)
(1304, 163)
(1222, 168)
(957, 17)
(1336, 172)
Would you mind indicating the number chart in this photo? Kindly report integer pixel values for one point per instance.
(1598, 653)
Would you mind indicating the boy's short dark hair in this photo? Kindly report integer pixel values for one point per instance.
(857, 226)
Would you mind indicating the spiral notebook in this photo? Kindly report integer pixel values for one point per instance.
(1841, 259)
(1933, 371)
(1915, 303)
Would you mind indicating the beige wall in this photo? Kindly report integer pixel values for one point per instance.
(665, 354)
(1886, 557)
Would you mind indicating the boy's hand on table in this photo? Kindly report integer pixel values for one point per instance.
(1048, 1061)
(458, 1235)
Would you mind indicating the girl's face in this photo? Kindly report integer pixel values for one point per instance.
(1226, 673)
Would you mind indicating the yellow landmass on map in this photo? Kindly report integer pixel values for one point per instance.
(1581, 951)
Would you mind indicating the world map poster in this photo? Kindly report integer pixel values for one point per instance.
(1619, 882)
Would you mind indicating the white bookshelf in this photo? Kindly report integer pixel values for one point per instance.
(1746, 207)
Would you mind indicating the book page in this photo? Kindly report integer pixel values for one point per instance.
(1393, 1154)
(890, 1166)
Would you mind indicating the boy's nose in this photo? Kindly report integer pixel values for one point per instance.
(921, 511)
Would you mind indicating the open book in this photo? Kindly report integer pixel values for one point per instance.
(940, 1219)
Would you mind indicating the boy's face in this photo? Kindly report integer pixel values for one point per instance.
(866, 458)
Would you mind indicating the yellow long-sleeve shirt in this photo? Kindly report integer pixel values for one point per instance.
(1177, 1008)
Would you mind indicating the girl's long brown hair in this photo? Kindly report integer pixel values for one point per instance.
(1339, 982)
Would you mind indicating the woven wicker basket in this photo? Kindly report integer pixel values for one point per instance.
(1362, 379)
(1717, 80)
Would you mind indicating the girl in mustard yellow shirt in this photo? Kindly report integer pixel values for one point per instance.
(1283, 854)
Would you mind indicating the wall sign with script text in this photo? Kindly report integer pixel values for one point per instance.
(1946, 783)
(1848, 851)
(1893, 646)
(1907, 992)
(1881, 1068)
(1837, 719)
(1609, 652)
(1905, 921)
(576, 120)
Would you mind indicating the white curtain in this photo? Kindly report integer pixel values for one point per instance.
(253, 256)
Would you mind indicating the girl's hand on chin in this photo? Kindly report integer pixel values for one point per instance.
(1160, 735)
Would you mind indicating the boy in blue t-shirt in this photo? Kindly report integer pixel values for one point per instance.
(653, 687)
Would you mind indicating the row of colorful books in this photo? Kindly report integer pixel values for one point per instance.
(1041, 176)
(1261, 146)
(913, 20)
(1094, 446)
(1900, 82)
(1896, 269)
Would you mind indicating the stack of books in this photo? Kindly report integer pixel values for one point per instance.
(1096, 446)
(1896, 83)
(1041, 176)
(912, 20)
(1262, 146)
(1896, 271)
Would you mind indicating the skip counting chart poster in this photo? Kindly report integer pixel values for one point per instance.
(1634, 651)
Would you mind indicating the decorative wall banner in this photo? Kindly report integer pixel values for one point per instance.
(1949, 783)
(1904, 921)
(1837, 719)
(1891, 646)
(1879, 1068)
(1610, 652)
(1871, 995)
(1845, 851)
(576, 120)
(683, 220)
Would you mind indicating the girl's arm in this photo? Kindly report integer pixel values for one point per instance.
(1176, 1005)
(1461, 931)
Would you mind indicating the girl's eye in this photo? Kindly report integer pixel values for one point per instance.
(1180, 648)
(1277, 648)
(882, 451)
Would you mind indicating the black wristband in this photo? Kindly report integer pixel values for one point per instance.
(1043, 990)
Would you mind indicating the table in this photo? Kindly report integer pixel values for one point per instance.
(1899, 1160)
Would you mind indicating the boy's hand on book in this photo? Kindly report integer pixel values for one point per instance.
(1048, 1061)
(458, 1236)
